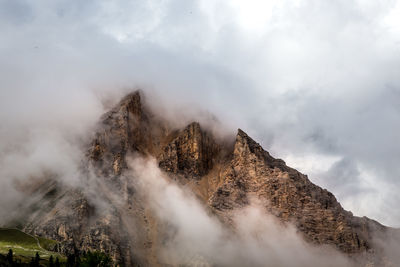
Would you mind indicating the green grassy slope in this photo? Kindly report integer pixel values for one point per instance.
(25, 246)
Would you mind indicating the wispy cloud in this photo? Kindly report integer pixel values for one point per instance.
(305, 78)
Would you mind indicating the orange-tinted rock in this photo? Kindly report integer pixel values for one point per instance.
(290, 196)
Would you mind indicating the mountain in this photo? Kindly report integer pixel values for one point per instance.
(108, 212)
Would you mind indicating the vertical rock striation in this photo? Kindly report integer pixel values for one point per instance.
(191, 153)
(289, 195)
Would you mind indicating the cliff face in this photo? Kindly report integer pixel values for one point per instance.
(289, 195)
(191, 153)
(225, 178)
(126, 128)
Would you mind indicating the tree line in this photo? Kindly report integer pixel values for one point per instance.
(85, 259)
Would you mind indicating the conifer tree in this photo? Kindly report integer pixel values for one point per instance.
(51, 261)
(10, 257)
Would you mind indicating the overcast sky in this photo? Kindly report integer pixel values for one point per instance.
(317, 83)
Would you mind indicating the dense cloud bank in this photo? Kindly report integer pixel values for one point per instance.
(317, 83)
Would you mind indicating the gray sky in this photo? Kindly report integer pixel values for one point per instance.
(317, 83)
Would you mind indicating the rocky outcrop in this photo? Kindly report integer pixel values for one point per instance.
(128, 127)
(225, 178)
(67, 215)
(191, 153)
(289, 195)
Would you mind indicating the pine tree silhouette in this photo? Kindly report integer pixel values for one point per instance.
(51, 261)
(10, 256)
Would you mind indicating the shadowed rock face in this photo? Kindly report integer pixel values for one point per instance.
(191, 153)
(227, 177)
(122, 129)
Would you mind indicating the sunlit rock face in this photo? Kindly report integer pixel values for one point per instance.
(289, 195)
(224, 177)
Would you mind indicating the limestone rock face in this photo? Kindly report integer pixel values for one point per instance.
(289, 195)
(126, 128)
(66, 215)
(191, 153)
(225, 177)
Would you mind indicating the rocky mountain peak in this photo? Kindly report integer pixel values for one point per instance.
(289, 195)
(224, 178)
(120, 130)
(246, 148)
(132, 102)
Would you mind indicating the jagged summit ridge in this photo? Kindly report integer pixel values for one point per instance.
(245, 143)
(225, 177)
(131, 127)
(290, 196)
(192, 152)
